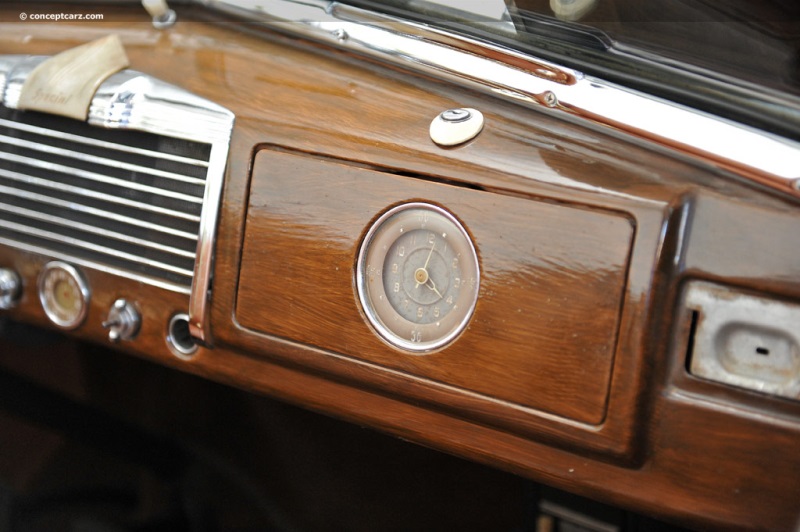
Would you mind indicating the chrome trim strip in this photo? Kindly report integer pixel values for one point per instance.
(57, 220)
(752, 154)
(99, 143)
(13, 226)
(98, 178)
(198, 302)
(38, 181)
(46, 148)
(132, 100)
(172, 287)
(78, 207)
(18, 68)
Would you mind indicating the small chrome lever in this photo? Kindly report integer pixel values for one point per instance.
(163, 16)
(123, 321)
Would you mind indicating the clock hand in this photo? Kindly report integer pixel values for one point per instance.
(429, 256)
(432, 286)
(425, 267)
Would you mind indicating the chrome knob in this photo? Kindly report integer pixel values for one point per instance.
(10, 288)
(123, 321)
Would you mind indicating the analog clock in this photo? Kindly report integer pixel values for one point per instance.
(418, 277)
(64, 294)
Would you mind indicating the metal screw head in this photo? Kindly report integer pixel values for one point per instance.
(550, 99)
(340, 35)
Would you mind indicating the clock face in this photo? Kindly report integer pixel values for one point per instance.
(64, 294)
(418, 277)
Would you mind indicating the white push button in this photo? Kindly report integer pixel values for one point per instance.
(456, 126)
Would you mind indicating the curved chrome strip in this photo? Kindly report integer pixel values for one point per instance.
(103, 161)
(54, 185)
(77, 207)
(99, 143)
(72, 224)
(49, 235)
(95, 265)
(98, 178)
(132, 100)
(753, 154)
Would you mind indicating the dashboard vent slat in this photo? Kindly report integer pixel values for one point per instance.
(82, 212)
(63, 138)
(126, 200)
(26, 182)
(90, 159)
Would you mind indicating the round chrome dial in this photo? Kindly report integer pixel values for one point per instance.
(418, 277)
(64, 294)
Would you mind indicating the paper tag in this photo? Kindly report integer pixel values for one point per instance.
(65, 83)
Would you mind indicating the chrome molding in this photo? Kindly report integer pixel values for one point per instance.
(98, 143)
(135, 101)
(16, 176)
(101, 160)
(98, 177)
(97, 230)
(97, 212)
(94, 247)
(752, 154)
(95, 266)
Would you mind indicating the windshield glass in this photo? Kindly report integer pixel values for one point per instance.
(737, 58)
(756, 41)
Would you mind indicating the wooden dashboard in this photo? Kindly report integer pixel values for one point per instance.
(574, 369)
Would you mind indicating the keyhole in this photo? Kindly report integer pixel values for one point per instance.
(762, 351)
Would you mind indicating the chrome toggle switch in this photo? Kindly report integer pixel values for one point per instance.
(123, 321)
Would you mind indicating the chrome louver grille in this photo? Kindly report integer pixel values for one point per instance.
(134, 189)
(125, 199)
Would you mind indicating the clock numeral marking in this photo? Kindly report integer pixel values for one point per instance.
(416, 336)
(455, 263)
(449, 300)
(394, 268)
(420, 311)
(457, 282)
(396, 287)
(431, 238)
(436, 312)
(402, 251)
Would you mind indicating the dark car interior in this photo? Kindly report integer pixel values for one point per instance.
(401, 265)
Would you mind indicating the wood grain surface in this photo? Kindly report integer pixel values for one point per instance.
(697, 453)
(544, 330)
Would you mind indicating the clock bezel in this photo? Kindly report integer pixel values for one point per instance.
(467, 298)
